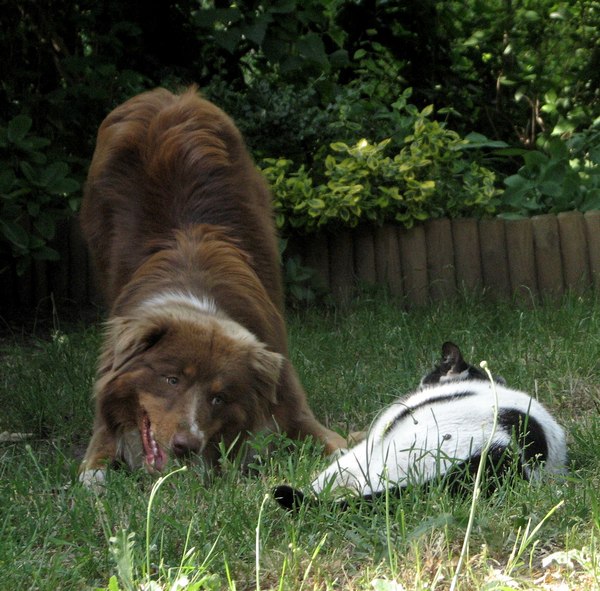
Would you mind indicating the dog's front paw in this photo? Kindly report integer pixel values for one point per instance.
(338, 453)
(93, 479)
(356, 437)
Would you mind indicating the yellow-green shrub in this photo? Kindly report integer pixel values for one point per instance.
(426, 175)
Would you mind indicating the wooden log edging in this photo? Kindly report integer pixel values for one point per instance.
(540, 257)
(548, 260)
(592, 226)
(531, 258)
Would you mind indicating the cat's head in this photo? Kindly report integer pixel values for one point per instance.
(453, 367)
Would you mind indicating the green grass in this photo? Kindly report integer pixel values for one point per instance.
(202, 531)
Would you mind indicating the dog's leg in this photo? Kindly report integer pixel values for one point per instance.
(101, 452)
(332, 441)
(356, 437)
(294, 416)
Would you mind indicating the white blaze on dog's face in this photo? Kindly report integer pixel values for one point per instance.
(185, 385)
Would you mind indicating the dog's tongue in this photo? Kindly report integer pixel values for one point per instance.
(156, 458)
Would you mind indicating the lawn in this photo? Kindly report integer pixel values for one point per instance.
(196, 530)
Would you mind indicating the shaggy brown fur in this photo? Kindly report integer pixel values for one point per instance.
(179, 225)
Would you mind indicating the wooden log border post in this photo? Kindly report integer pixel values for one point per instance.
(540, 257)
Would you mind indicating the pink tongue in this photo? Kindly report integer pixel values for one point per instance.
(155, 457)
(160, 459)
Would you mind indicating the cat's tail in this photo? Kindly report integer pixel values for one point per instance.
(291, 499)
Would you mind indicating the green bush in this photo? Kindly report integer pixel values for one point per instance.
(425, 175)
(34, 194)
(562, 175)
(522, 69)
(277, 116)
(273, 116)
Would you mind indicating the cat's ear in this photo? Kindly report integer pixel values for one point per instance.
(452, 359)
(451, 367)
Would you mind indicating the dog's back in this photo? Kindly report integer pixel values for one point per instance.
(179, 225)
(165, 162)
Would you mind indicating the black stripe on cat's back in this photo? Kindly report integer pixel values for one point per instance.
(408, 410)
(530, 434)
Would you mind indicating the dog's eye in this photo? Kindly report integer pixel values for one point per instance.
(172, 380)
(217, 401)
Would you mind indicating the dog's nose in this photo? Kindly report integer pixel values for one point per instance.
(185, 443)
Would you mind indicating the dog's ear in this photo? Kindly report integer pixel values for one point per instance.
(117, 400)
(128, 337)
(266, 367)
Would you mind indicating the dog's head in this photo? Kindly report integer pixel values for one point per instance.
(172, 386)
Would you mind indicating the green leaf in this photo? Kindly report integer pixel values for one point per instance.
(35, 143)
(428, 110)
(290, 63)
(339, 58)
(534, 158)
(338, 147)
(37, 158)
(31, 174)
(74, 203)
(209, 17)
(33, 208)
(256, 31)
(18, 127)
(282, 7)
(23, 264)
(512, 152)
(15, 234)
(594, 154)
(563, 126)
(229, 39)
(53, 172)
(511, 216)
(478, 140)
(64, 186)
(316, 203)
(45, 253)
(113, 584)
(311, 47)
(45, 225)
(592, 200)
(7, 181)
(35, 242)
(517, 184)
(551, 188)
(558, 150)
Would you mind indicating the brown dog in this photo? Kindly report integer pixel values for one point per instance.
(179, 225)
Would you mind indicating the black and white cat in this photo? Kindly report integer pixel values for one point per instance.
(440, 430)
